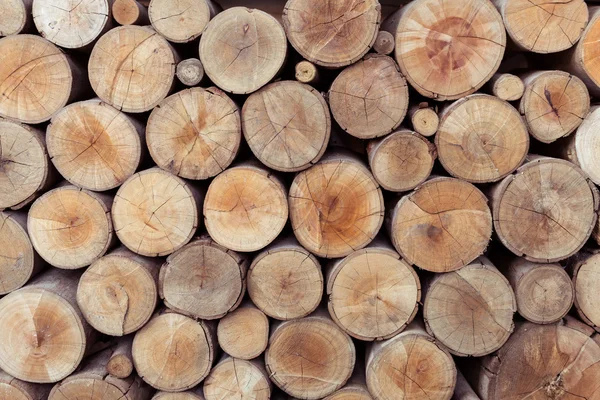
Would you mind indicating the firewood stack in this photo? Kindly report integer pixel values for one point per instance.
(301, 199)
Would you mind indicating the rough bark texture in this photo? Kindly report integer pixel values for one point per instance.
(181, 21)
(244, 333)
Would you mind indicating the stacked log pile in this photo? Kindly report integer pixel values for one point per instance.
(301, 199)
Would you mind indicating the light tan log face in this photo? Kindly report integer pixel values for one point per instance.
(332, 33)
(585, 60)
(14, 17)
(583, 148)
(91, 388)
(17, 257)
(350, 394)
(244, 333)
(243, 49)
(585, 274)
(177, 396)
(195, 133)
(190, 71)
(425, 121)
(287, 125)
(481, 139)
(507, 87)
(181, 21)
(237, 379)
(128, 12)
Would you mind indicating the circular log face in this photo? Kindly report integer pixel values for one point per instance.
(16, 255)
(588, 52)
(286, 125)
(132, 68)
(243, 49)
(180, 21)
(586, 292)
(425, 121)
(14, 18)
(237, 379)
(195, 133)
(587, 146)
(508, 87)
(244, 333)
(126, 12)
(481, 139)
(545, 211)
(448, 50)
(88, 388)
(35, 78)
(332, 33)
(93, 145)
(441, 226)
(350, 393)
(190, 71)
(13, 392)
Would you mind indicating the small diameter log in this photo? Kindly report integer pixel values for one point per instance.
(336, 206)
(173, 352)
(370, 98)
(481, 139)
(287, 125)
(285, 281)
(130, 12)
(306, 72)
(384, 43)
(447, 52)
(71, 227)
(117, 294)
(155, 213)
(190, 71)
(44, 335)
(120, 364)
(243, 49)
(148, 77)
(93, 145)
(196, 394)
(506, 87)
(401, 160)
(194, 133)
(470, 311)
(310, 358)
(424, 119)
(351, 392)
(238, 379)
(16, 18)
(244, 333)
(203, 280)
(554, 104)
(245, 208)
(585, 267)
(545, 211)
(12, 388)
(463, 390)
(411, 365)
(543, 27)
(544, 292)
(332, 33)
(182, 21)
(583, 59)
(441, 226)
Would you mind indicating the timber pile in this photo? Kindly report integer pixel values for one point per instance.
(301, 199)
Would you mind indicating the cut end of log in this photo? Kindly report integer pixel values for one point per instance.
(424, 120)
(128, 12)
(190, 71)
(233, 378)
(585, 151)
(14, 17)
(120, 366)
(244, 333)
(507, 87)
(384, 43)
(17, 258)
(586, 295)
(306, 72)
(179, 22)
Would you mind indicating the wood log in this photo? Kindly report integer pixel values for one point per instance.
(16, 17)
(543, 27)
(173, 352)
(12, 388)
(245, 208)
(285, 280)
(287, 125)
(240, 379)
(310, 358)
(336, 206)
(244, 333)
(44, 335)
(582, 59)
(93, 145)
(401, 160)
(150, 72)
(307, 72)
(545, 211)
(117, 294)
(194, 133)
(506, 86)
(554, 104)
(71, 227)
(463, 391)
(243, 49)
(196, 394)
(203, 280)
(544, 292)
(130, 12)
(470, 311)
(583, 268)
(120, 363)
(411, 364)
(370, 98)
(334, 33)
(447, 51)
(424, 119)
(481, 138)
(355, 389)
(442, 225)
(155, 213)
(190, 71)
(182, 21)
(384, 43)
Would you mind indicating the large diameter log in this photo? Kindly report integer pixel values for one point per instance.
(310, 358)
(470, 311)
(336, 206)
(245, 208)
(448, 50)
(129, 12)
(195, 133)
(44, 335)
(155, 213)
(244, 333)
(150, 72)
(16, 17)
(285, 280)
(583, 60)
(373, 293)
(12, 388)
(506, 86)
(424, 119)
(441, 226)
(554, 104)
(545, 211)
(332, 33)
(481, 138)
(370, 98)
(190, 71)
(93, 145)
(585, 267)
(203, 280)
(117, 294)
(173, 352)
(287, 125)
(181, 21)
(243, 49)
(71, 227)
(120, 363)
(238, 379)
